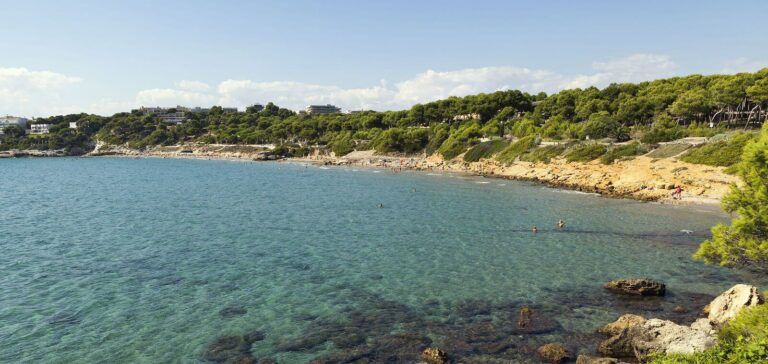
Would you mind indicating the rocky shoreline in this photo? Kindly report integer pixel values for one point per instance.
(641, 178)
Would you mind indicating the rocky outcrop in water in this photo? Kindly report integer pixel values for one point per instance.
(729, 303)
(636, 287)
(434, 356)
(553, 353)
(624, 322)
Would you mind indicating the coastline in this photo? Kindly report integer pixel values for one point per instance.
(641, 178)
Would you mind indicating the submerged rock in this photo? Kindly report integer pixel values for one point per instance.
(232, 349)
(232, 311)
(636, 287)
(725, 306)
(624, 322)
(63, 318)
(584, 359)
(227, 348)
(553, 353)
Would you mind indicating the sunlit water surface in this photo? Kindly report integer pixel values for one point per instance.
(151, 260)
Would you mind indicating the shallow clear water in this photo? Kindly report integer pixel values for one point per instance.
(133, 260)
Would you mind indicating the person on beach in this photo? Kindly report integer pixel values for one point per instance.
(678, 194)
(561, 224)
(535, 229)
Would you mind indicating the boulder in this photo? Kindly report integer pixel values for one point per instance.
(705, 325)
(434, 356)
(619, 345)
(624, 322)
(553, 353)
(636, 287)
(725, 306)
(584, 359)
(661, 336)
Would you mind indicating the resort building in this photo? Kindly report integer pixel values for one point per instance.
(6, 121)
(38, 129)
(177, 117)
(73, 125)
(322, 109)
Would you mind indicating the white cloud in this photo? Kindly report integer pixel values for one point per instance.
(24, 79)
(20, 87)
(743, 65)
(192, 85)
(172, 97)
(25, 92)
(635, 68)
(431, 85)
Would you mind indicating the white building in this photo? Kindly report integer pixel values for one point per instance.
(173, 117)
(322, 109)
(6, 121)
(37, 129)
(73, 125)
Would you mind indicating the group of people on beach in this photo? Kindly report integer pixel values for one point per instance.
(560, 225)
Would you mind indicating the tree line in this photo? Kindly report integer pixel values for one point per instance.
(653, 111)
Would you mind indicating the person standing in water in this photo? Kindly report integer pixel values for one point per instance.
(535, 229)
(561, 224)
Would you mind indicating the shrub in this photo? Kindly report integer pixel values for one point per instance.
(585, 152)
(628, 150)
(669, 150)
(723, 153)
(543, 154)
(485, 150)
(516, 149)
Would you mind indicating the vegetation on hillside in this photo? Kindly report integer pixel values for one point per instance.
(652, 112)
(485, 150)
(722, 153)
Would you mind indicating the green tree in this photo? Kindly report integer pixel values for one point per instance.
(745, 241)
(603, 125)
(13, 131)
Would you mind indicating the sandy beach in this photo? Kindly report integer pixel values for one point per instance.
(641, 178)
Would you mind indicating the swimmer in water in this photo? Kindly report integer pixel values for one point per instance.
(535, 229)
(381, 205)
(561, 224)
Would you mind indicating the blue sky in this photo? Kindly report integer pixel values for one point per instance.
(107, 56)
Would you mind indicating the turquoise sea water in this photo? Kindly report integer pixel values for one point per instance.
(151, 260)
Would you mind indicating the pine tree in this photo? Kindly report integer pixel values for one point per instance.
(745, 241)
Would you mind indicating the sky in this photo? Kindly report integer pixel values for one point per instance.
(103, 57)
